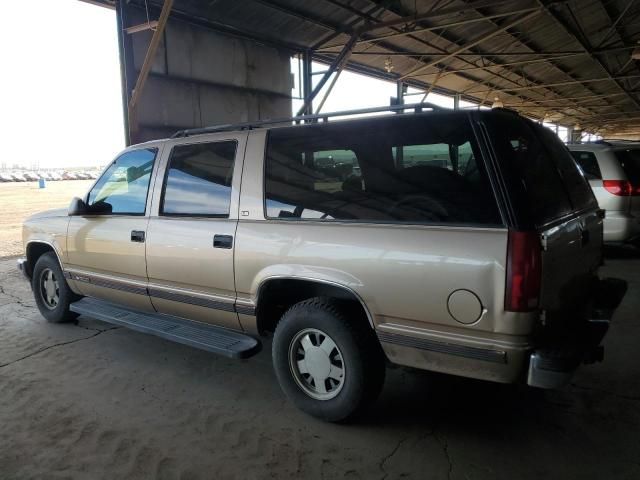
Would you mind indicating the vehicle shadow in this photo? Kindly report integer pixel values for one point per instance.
(621, 252)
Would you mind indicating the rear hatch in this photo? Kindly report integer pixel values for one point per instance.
(629, 159)
(548, 195)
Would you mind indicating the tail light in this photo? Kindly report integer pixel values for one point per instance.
(621, 188)
(524, 272)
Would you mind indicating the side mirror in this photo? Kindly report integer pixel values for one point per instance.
(78, 207)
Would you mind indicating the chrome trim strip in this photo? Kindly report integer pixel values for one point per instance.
(154, 292)
(191, 300)
(107, 283)
(246, 310)
(485, 354)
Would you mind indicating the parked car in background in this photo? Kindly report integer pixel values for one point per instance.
(55, 176)
(479, 257)
(4, 177)
(31, 177)
(18, 177)
(613, 171)
(69, 176)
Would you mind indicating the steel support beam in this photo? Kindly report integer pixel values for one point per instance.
(338, 63)
(127, 71)
(494, 54)
(567, 28)
(148, 61)
(473, 43)
(432, 28)
(557, 84)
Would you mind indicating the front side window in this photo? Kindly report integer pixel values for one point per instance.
(124, 185)
(198, 180)
(415, 169)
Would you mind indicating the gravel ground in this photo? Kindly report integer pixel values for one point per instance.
(19, 200)
(92, 401)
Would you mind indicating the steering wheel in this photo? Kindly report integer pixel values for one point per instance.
(427, 206)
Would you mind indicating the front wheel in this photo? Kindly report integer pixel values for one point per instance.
(52, 294)
(330, 366)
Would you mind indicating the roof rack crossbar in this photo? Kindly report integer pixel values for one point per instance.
(416, 107)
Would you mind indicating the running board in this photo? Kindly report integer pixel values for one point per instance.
(195, 334)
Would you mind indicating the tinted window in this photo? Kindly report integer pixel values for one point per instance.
(416, 169)
(125, 184)
(199, 179)
(575, 183)
(531, 174)
(588, 164)
(630, 162)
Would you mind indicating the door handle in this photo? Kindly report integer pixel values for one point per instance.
(222, 241)
(137, 236)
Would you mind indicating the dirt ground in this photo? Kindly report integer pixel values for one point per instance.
(19, 200)
(90, 401)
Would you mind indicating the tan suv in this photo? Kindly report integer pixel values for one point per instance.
(459, 242)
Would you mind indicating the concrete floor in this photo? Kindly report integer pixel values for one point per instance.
(91, 401)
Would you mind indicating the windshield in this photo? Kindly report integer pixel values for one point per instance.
(630, 163)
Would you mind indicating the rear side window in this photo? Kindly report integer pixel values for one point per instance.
(416, 169)
(198, 180)
(588, 164)
(577, 186)
(543, 178)
(630, 163)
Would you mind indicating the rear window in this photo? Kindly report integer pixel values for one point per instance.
(630, 162)
(417, 169)
(540, 172)
(588, 163)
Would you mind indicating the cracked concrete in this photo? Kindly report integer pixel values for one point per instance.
(56, 345)
(76, 403)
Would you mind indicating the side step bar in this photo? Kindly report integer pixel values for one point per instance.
(195, 334)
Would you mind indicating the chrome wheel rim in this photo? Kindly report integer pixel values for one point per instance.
(49, 288)
(317, 364)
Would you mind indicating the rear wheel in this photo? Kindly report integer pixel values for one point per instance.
(52, 294)
(330, 366)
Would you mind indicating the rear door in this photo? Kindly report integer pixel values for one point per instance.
(550, 195)
(191, 234)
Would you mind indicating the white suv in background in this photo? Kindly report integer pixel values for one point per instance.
(613, 171)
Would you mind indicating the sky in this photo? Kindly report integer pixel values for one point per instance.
(60, 84)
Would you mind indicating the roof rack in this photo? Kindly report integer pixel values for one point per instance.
(416, 107)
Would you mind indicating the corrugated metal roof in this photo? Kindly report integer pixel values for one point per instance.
(568, 61)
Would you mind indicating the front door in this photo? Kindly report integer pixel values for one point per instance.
(190, 240)
(106, 252)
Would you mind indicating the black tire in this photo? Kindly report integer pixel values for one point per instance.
(360, 354)
(58, 312)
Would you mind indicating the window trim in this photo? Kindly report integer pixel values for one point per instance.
(400, 223)
(155, 151)
(167, 168)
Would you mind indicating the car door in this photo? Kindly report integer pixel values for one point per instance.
(106, 252)
(191, 232)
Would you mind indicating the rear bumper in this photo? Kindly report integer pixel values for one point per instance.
(621, 227)
(547, 360)
(553, 365)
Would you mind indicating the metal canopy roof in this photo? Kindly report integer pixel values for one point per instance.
(567, 61)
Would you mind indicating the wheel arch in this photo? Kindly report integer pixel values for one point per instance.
(276, 294)
(35, 249)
